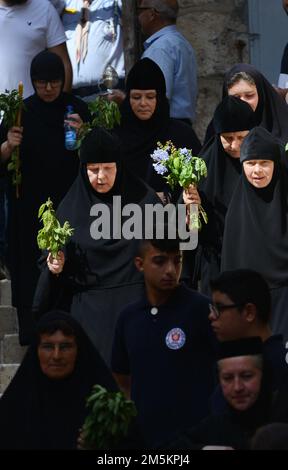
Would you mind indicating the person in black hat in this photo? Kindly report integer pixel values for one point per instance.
(145, 121)
(255, 235)
(94, 277)
(233, 118)
(246, 387)
(47, 170)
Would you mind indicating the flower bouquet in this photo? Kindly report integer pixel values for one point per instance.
(180, 167)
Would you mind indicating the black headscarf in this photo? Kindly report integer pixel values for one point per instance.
(39, 413)
(139, 138)
(255, 235)
(271, 112)
(223, 171)
(106, 261)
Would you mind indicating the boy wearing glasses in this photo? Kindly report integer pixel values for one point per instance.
(241, 308)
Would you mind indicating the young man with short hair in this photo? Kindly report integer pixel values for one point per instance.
(163, 354)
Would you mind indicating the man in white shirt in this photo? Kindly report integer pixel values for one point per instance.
(26, 28)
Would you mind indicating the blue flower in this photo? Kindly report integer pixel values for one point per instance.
(160, 155)
(160, 169)
(186, 153)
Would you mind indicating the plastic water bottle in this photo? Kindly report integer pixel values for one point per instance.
(70, 132)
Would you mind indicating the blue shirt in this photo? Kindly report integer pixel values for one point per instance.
(176, 58)
(169, 352)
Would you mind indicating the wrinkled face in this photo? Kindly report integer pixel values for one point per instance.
(143, 103)
(57, 354)
(259, 173)
(232, 141)
(161, 269)
(102, 176)
(240, 381)
(246, 92)
(48, 91)
(230, 324)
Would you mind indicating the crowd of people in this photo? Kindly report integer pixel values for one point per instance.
(195, 338)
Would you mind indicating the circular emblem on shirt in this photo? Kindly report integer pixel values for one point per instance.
(175, 338)
(154, 310)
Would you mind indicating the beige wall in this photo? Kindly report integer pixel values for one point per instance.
(217, 29)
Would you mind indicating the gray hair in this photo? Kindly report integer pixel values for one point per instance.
(240, 76)
(167, 9)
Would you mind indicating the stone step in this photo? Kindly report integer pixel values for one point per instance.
(10, 350)
(8, 320)
(5, 292)
(7, 372)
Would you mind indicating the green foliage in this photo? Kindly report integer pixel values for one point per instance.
(52, 236)
(11, 104)
(182, 169)
(104, 114)
(109, 418)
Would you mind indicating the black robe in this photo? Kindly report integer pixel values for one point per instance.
(271, 112)
(99, 276)
(39, 413)
(216, 190)
(48, 170)
(140, 138)
(255, 235)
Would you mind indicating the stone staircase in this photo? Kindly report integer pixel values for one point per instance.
(11, 353)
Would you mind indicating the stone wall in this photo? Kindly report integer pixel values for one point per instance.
(218, 31)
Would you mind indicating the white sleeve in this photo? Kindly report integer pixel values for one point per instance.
(55, 33)
(283, 80)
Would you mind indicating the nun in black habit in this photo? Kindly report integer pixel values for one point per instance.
(47, 170)
(245, 380)
(271, 111)
(99, 277)
(255, 235)
(232, 120)
(39, 411)
(140, 134)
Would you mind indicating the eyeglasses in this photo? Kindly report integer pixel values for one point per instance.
(217, 309)
(44, 83)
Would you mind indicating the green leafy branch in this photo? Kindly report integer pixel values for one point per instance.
(11, 105)
(52, 236)
(109, 419)
(104, 114)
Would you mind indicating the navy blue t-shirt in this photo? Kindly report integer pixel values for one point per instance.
(169, 352)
